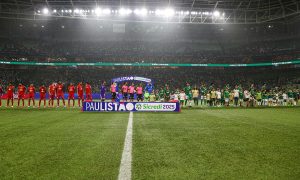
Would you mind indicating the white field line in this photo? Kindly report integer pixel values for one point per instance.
(125, 166)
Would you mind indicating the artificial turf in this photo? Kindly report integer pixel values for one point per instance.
(60, 144)
(209, 143)
(217, 144)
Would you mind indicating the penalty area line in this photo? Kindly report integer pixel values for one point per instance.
(125, 166)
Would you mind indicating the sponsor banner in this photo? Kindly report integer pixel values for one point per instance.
(131, 106)
(131, 78)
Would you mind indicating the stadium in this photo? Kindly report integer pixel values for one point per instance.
(136, 89)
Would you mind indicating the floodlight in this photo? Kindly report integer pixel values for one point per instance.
(98, 11)
(216, 14)
(140, 12)
(169, 12)
(106, 11)
(45, 11)
(124, 11)
(76, 11)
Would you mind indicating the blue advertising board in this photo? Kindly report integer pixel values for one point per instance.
(131, 106)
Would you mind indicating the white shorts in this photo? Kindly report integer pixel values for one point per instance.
(226, 99)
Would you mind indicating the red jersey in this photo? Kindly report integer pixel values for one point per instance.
(52, 89)
(31, 89)
(79, 89)
(71, 89)
(10, 89)
(88, 89)
(42, 90)
(21, 90)
(59, 89)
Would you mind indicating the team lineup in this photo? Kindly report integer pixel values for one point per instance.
(187, 96)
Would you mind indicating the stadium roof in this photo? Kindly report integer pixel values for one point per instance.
(236, 12)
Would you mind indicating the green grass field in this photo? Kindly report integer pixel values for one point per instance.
(218, 143)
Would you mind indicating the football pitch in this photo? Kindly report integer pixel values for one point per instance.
(198, 143)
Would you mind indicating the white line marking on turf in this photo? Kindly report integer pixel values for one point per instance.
(125, 166)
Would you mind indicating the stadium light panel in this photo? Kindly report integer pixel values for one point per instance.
(54, 11)
(45, 11)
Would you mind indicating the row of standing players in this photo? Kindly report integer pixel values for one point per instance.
(56, 92)
(209, 96)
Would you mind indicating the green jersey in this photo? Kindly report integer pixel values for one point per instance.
(203, 91)
(161, 93)
(187, 89)
(264, 95)
(190, 95)
(290, 94)
(226, 94)
(167, 92)
(252, 91)
(241, 94)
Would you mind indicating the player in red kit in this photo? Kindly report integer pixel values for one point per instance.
(10, 95)
(71, 91)
(60, 93)
(42, 91)
(51, 90)
(88, 92)
(80, 93)
(21, 93)
(31, 93)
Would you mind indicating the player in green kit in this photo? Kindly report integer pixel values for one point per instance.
(203, 92)
(241, 96)
(161, 94)
(264, 98)
(226, 97)
(167, 94)
(187, 90)
(291, 97)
